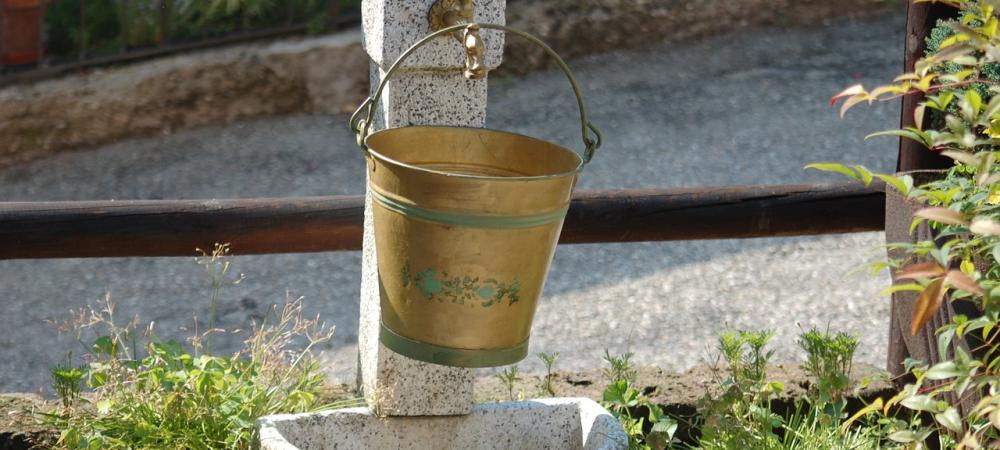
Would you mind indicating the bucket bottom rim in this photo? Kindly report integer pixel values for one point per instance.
(449, 356)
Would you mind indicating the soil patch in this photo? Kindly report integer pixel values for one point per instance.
(679, 394)
(19, 429)
(664, 387)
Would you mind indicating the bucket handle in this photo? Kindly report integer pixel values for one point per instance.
(591, 135)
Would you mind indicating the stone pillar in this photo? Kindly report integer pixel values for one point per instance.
(428, 90)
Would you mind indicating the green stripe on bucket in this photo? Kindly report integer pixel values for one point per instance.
(469, 220)
(447, 356)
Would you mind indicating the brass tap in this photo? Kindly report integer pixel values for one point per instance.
(447, 13)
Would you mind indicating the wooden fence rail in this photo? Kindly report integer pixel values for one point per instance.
(315, 224)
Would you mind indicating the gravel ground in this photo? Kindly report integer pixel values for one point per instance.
(740, 109)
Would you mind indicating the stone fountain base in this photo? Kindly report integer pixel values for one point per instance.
(554, 423)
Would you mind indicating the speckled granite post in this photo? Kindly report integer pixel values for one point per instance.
(430, 89)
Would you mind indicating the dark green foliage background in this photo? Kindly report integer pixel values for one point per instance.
(111, 26)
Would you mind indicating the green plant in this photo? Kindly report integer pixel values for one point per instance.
(149, 392)
(619, 366)
(217, 265)
(828, 360)
(173, 398)
(809, 429)
(96, 28)
(816, 423)
(508, 377)
(625, 402)
(67, 380)
(549, 359)
(108, 26)
(742, 416)
(958, 398)
(225, 16)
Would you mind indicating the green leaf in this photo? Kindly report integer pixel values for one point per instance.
(950, 419)
(666, 426)
(909, 133)
(898, 183)
(963, 157)
(615, 393)
(835, 167)
(943, 371)
(920, 403)
(995, 418)
(913, 287)
(907, 183)
(97, 379)
(975, 101)
(661, 435)
(104, 346)
(944, 340)
(903, 436)
(870, 408)
(864, 173)
(992, 109)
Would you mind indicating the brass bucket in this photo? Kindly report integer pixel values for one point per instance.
(466, 223)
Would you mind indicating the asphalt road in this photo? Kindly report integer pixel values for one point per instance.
(745, 108)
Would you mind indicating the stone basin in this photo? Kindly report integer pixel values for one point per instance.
(552, 423)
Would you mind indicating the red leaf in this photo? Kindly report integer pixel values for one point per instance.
(920, 270)
(985, 226)
(942, 215)
(962, 281)
(853, 90)
(927, 305)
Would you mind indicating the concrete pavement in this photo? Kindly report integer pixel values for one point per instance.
(746, 108)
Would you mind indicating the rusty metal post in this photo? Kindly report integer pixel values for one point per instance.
(920, 20)
(913, 156)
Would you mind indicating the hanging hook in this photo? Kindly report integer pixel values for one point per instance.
(473, 45)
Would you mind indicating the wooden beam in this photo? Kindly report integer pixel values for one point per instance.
(732, 212)
(178, 227)
(315, 224)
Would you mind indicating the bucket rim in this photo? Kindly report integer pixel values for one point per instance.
(375, 154)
